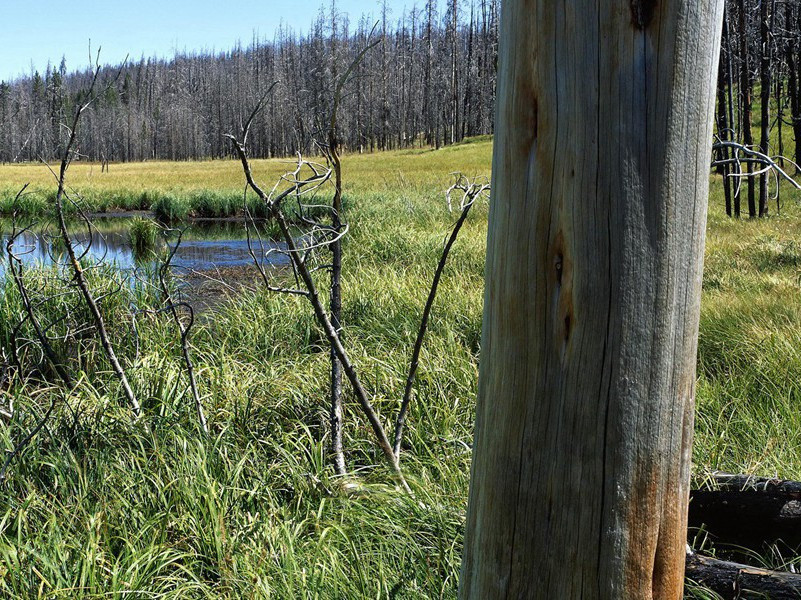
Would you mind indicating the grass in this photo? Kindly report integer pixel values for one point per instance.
(144, 235)
(99, 507)
(215, 188)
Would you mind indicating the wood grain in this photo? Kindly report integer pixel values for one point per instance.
(584, 424)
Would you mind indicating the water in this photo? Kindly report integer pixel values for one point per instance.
(205, 246)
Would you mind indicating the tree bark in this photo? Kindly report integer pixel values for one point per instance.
(580, 476)
(733, 581)
(764, 128)
(745, 93)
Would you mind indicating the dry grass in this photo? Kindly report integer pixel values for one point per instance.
(366, 173)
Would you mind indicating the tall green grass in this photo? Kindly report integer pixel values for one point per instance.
(99, 507)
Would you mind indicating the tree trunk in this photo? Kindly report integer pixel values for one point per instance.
(730, 96)
(745, 93)
(580, 476)
(723, 125)
(794, 86)
(764, 68)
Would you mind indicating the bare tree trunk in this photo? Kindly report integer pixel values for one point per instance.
(793, 85)
(723, 126)
(764, 68)
(730, 97)
(336, 415)
(745, 93)
(581, 466)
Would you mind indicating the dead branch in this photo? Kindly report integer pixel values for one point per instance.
(297, 184)
(470, 192)
(78, 271)
(184, 330)
(15, 268)
(751, 156)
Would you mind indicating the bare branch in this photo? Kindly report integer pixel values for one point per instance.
(470, 192)
(274, 207)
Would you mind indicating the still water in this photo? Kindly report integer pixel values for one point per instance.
(205, 246)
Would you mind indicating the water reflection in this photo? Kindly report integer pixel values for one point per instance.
(205, 246)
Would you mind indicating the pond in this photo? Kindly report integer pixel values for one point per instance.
(205, 246)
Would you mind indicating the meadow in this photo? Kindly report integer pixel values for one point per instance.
(215, 188)
(99, 507)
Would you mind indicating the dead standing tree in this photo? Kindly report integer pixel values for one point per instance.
(305, 178)
(335, 303)
(581, 466)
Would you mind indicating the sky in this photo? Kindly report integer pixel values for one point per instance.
(31, 33)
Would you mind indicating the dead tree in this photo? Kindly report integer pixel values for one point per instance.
(335, 302)
(764, 70)
(307, 177)
(79, 275)
(745, 100)
(581, 461)
(723, 129)
(470, 191)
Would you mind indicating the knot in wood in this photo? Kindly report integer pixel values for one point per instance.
(558, 264)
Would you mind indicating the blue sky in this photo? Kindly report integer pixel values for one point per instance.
(35, 32)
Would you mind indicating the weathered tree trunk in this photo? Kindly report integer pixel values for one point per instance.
(580, 475)
(764, 73)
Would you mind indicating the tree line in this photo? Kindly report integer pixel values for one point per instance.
(428, 80)
(759, 89)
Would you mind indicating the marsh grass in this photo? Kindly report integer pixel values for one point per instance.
(215, 188)
(145, 236)
(98, 507)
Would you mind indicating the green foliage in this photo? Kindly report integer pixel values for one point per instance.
(170, 208)
(144, 236)
(99, 507)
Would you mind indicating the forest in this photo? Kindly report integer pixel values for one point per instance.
(429, 81)
(410, 307)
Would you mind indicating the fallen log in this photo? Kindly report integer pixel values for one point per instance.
(727, 481)
(748, 511)
(741, 582)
